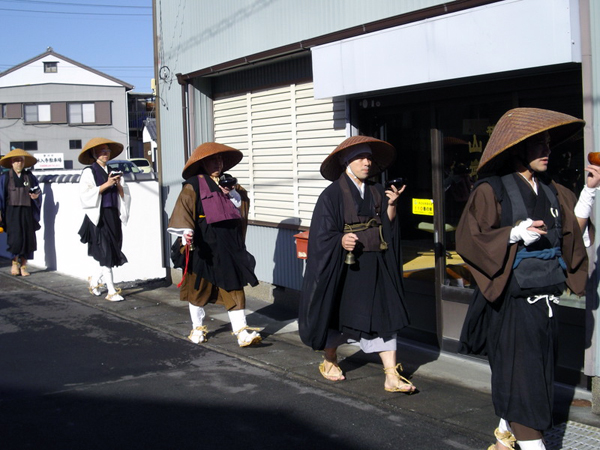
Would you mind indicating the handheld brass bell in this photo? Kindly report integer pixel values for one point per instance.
(350, 258)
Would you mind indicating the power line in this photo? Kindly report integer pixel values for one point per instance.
(74, 13)
(89, 5)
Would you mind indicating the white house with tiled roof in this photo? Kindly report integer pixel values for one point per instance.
(53, 105)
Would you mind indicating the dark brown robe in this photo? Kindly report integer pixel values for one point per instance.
(518, 335)
(483, 244)
(219, 266)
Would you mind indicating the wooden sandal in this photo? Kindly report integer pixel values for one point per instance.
(337, 375)
(404, 385)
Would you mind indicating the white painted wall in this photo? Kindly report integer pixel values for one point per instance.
(59, 247)
(495, 38)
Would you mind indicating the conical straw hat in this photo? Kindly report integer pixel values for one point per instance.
(384, 154)
(6, 160)
(86, 156)
(519, 124)
(230, 156)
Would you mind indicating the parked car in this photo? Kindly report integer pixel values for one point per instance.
(124, 166)
(143, 164)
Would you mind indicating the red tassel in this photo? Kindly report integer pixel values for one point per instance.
(187, 259)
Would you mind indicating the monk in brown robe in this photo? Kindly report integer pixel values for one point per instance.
(209, 217)
(524, 239)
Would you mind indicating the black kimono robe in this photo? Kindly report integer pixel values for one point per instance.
(20, 222)
(376, 307)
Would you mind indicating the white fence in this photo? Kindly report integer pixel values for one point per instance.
(58, 245)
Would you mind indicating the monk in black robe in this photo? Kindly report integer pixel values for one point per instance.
(20, 205)
(362, 301)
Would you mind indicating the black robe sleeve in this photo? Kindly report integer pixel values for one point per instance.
(323, 268)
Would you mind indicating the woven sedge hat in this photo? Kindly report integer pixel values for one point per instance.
(383, 155)
(6, 160)
(230, 156)
(519, 124)
(86, 156)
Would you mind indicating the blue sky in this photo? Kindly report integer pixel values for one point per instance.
(112, 36)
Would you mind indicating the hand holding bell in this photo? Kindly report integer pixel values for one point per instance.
(348, 243)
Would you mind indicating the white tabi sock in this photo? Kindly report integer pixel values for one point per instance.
(237, 319)
(197, 314)
(536, 444)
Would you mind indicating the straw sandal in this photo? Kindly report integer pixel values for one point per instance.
(403, 385)
(94, 290)
(24, 272)
(115, 296)
(333, 372)
(506, 438)
(246, 338)
(15, 269)
(198, 335)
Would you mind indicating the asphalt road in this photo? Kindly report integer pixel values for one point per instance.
(76, 377)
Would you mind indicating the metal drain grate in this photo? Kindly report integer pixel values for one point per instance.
(573, 436)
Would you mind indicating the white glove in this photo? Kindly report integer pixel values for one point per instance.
(188, 237)
(521, 233)
(583, 208)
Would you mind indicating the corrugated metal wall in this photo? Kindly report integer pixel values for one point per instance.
(193, 35)
(275, 253)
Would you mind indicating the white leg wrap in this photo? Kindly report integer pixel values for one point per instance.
(536, 444)
(504, 425)
(108, 279)
(197, 314)
(237, 319)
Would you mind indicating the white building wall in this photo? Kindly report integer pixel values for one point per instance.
(67, 73)
(58, 243)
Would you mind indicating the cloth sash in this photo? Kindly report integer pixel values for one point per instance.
(110, 197)
(217, 207)
(368, 226)
(548, 253)
(18, 189)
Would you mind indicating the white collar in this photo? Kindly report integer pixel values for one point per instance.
(361, 187)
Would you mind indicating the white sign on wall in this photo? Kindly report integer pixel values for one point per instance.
(50, 161)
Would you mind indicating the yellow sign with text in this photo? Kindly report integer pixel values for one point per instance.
(422, 206)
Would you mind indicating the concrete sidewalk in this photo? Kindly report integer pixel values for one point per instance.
(454, 391)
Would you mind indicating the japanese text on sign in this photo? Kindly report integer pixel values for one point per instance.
(422, 206)
(50, 161)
